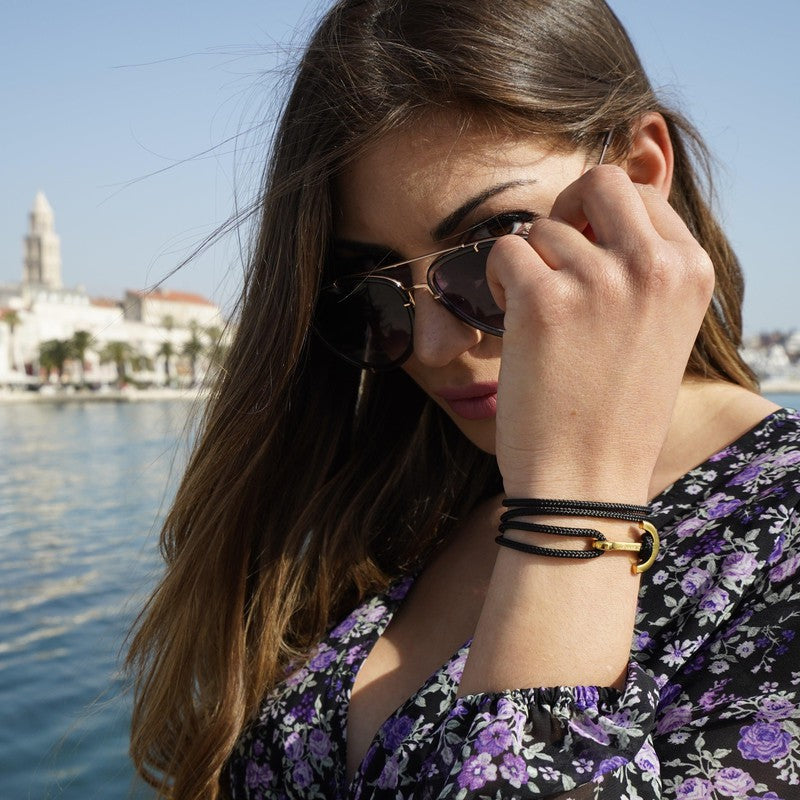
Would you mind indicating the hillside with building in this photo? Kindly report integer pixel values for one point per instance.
(53, 336)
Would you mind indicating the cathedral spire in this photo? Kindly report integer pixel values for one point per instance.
(42, 266)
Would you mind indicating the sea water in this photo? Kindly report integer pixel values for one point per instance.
(82, 488)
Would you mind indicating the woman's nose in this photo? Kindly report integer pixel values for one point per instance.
(439, 336)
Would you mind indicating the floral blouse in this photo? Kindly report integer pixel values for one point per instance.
(710, 709)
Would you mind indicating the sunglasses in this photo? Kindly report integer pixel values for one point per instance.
(368, 318)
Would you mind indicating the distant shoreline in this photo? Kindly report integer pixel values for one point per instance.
(779, 386)
(110, 396)
(774, 386)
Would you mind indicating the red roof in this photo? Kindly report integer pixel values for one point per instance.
(166, 295)
(104, 302)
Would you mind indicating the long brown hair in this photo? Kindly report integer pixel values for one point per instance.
(312, 484)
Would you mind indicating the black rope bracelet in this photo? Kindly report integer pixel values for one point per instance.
(646, 549)
(521, 507)
(534, 549)
(555, 530)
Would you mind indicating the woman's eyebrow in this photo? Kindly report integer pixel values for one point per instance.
(449, 224)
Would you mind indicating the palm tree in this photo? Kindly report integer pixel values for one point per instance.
(80, 344)
(53, 354)
(166, 351)
(193, 348)
(12, 319)
(216, 349)
(118, 353)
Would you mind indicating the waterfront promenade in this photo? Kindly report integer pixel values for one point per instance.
(129, 395)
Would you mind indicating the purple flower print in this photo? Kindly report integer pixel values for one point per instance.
(294, 746)
(583, 764)
(494, 739)
(388, 776)
(344, 627)
(319, 744)
(764, 741)
(715, 600)
(673, 718)
(258, 776)
(353, 654)
(399, 591)
(302, 775)
(785, 570)
(689, 527)
(777, 550)
(589, 729)
(608, 765)
(506, 709)
(745, 649)
(477, 772)
(787, 459)
(375, 614)
(455, 669)
(749, 473)
(722, 455)
(514, 770)
(676, 653)
(621, 718)
(733, 782)
(695, 581)
(549, 774)
(323, 657)
(772, 709)
(304, 710)
(297, 678)
(647, 760)
(396, 730)
(715, 696)
(669, 693)
(695, 789)
(586, 697)
(721, 506)
(739, 566)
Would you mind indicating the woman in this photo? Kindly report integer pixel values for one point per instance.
(337, 618)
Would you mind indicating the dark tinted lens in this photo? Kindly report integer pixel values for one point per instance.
(460, 279)
(366, 321)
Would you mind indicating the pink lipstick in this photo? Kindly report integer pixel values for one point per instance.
(474, 402)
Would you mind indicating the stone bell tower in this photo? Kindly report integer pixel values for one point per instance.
(42, 247)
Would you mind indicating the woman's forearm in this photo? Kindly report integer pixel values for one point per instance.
(555, 621)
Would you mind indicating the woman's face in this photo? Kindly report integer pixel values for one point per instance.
(433, 186)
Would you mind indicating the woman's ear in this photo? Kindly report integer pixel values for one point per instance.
(650, 160)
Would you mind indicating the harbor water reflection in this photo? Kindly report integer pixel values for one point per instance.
(81, 490)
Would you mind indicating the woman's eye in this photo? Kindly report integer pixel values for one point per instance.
(501, 225)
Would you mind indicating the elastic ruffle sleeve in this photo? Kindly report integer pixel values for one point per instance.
(574, 742)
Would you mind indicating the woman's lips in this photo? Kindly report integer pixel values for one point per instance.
(474, 402)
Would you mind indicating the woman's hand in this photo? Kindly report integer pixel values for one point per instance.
(602, 306)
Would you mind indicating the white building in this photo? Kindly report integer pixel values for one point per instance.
(42, 247)
(152, 324)
(171, 309)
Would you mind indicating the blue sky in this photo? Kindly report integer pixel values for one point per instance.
(106, 107)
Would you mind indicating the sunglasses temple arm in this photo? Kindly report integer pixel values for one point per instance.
(606, 144)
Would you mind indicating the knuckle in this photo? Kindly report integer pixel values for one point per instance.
(605, 176)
